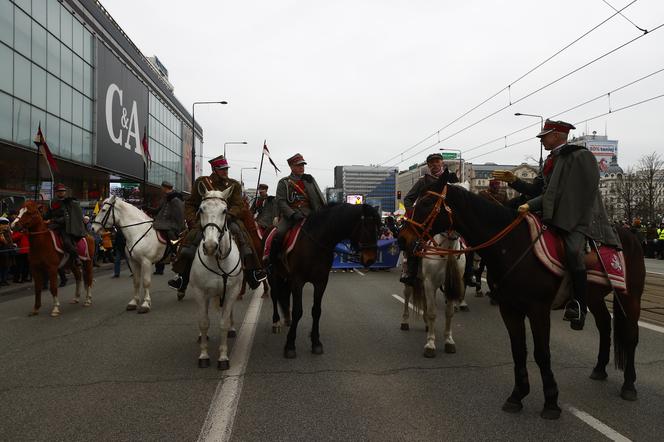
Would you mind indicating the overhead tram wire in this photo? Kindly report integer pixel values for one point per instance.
(610, 112)
(400, 154)
(638, 80)
(530, 94)
(645, 31)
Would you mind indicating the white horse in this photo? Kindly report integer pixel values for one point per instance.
(435, 272)
(143, 245)
(216, 273)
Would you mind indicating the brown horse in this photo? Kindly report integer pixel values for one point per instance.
(527, 289)
(45, 259)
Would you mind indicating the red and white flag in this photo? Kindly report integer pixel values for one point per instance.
(266, 152)
(147, 159)
(40, 141)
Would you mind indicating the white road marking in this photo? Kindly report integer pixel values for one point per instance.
(654, 273)
(218, 425)
(652, 327)
(403, 301)
(597, 424)
(357, 271)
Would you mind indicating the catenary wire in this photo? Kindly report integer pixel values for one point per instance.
(645, 31)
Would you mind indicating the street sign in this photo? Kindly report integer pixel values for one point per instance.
(449, 155)
(413, 167)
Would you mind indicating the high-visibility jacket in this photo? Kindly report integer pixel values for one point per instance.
(660, 234)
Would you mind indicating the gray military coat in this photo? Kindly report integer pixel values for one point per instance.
(285, 196)
(570, 198)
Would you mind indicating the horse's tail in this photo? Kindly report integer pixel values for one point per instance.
(418, 298)
(453, 284)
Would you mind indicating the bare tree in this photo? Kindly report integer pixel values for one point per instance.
(651, 168)
(627, 189)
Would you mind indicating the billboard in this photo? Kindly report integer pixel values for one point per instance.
(604, 151)
(354, 199)
(122, 116)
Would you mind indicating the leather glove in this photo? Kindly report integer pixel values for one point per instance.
(503, 175)
(297, 216)
(524, 208)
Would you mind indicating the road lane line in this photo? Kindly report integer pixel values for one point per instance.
(597, 424)
(357, 271)
(652, 327)
(218, 425)
(654, 273)
(403, 301)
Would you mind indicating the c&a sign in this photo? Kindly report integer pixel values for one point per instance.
(122, 115)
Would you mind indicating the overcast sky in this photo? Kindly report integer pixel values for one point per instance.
(357, 82)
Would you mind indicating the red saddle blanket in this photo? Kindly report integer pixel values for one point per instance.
(549, 249)
(289, 240)
(81, 246)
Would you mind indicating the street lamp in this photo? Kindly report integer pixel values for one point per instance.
(193, 137)
(232, 142)
(245, 168)
(519, 114)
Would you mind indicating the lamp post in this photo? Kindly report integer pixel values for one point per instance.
(245, 168)
(193, 137)
(519, 114)
(232, 142)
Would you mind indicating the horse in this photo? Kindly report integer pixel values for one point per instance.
(437, 271)
(311, 261)
(143, 248)
(45, 259)
(216, 272)
(531, 289)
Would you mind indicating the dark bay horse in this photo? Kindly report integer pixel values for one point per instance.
(311, 261)
(529, 289)
(45, 259)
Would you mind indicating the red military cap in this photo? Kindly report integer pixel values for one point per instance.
(555, 126)
(262, 186)
(494, 184)
(59, 187)
(296, 159)
(219, 163)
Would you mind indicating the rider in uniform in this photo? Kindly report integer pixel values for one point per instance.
(436, 169)
(239, 223)
(569, 200)
(298, 195)
(66, 217)
(264, 208)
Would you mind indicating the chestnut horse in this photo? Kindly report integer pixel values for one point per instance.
(526, 289)
(45, 259)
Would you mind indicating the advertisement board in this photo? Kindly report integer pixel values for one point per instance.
(122, 116)
(603, 151)
(355, 199)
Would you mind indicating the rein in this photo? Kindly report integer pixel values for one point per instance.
(110, 212)
(424, 230)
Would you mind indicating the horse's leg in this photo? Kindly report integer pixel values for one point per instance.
(275, 290)
(600, 312)
(626, 338)
(430, 318)
(203, 325)
(87, 278)
(540, 325)
(232, 332)
(136, 276)
(319, 290)
(38, 284)
(450, 345)
(289, 350)
(53, 286)
(514, 321)
(266, 290)
(76, 271)
(405, 317)
(146, 279)
(225, 322)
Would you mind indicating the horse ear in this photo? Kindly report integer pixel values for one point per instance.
(226, 193)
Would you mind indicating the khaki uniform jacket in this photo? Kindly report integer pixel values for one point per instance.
(235, 203)
(284, 196)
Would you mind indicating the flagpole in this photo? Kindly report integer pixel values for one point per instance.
(38, 176)
(260, 169)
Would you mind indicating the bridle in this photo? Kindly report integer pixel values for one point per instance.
(362, 227)
(219, 257)
(111, 213)
(426, 246)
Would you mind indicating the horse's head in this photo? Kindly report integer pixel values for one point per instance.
(425, 220)
(365, 235)
(105, 218)
(29, 217)
(212, 213)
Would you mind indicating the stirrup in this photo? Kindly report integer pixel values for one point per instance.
(572, 314)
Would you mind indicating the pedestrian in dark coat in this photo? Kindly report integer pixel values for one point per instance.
(169, 216)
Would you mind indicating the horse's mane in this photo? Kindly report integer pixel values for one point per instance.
(144, 216)
(484, 209)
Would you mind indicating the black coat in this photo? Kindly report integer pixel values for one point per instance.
(170, 214)
(66, 216)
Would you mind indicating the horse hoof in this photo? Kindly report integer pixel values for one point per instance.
(429, 352)
(276, 329)
(290, 353)
(317, 349)
(464, 308)
(142, 310)
(405, 326)
(203, 363)
(180, 296)
(628, 394)
(33, 313)
(479, 294)
(74, 301)
(232, 333)
(87, 303)
(512, 407)
(223, 365)
(131, 307)
(550, 413)
(55, 314)
(598, 375)
(450, 348)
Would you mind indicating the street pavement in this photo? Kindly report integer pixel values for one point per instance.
(655, 266)
(102, 373)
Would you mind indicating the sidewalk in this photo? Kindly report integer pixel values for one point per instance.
(652, 303)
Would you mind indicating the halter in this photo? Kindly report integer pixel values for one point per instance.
(360, 245)
(111, 212)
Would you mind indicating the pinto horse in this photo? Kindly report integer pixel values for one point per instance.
(529, 288)
(311, 261)
(45, 259)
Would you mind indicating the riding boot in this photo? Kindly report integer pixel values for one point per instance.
(410, 269)
(575, 310)
(181, 281)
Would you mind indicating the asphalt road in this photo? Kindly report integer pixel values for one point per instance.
(101, 373)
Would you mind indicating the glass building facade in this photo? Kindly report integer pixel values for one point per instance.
(165, 143)
(376, 184)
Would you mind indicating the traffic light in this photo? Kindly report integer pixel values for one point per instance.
(398, 194)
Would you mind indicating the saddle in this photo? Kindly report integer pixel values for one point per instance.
(171, 246)
(550, 251)
(81, 248)
(290, 238)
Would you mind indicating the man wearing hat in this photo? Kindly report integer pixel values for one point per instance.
(298, 195)
(66, 217)
(168, 217)
(264, 208)
(436, 169)
(569, 200)
(240, 224)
